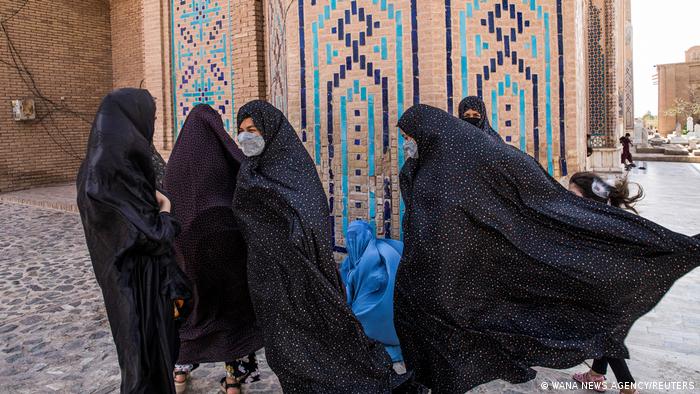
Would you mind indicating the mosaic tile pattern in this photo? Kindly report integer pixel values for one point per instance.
(602, 101)
(354, 66)
(510, 53)
(358, 72)
(201, 58)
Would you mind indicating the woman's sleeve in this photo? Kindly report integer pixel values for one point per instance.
(160, 239)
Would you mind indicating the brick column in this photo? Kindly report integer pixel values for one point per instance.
(156, 60)
(127, 42)
(276, 52)
(248, 52)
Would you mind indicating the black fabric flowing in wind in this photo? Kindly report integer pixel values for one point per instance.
(504, 269)
(475, 103)
(130, 242)
(313, 342)
(201, 179)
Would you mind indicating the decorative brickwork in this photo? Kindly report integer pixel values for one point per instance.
(353, 67)
(355, 70)
(217, 48)
(202, 58)
(602, 92)
(276, 15)
(344, 71)
(511, 53)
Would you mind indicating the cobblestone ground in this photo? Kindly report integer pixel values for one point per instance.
(54, 335)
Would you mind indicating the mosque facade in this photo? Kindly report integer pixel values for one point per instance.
(556, 76)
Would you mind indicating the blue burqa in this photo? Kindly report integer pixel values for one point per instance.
(369, 273)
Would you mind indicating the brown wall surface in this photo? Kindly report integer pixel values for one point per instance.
(248, 54)
(127, 42)
(66, 47)
(675, 81)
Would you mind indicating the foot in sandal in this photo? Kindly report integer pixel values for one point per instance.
(230, 385)
(181, 376)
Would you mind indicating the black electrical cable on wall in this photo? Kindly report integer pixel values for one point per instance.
(28, 80)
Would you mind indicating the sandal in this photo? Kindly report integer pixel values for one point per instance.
(185, 371)
(225, 386)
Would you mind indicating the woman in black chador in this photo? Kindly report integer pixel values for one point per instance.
(201, 180)
(472, 110)
(129, 233)
(313, 342)
(504, 269)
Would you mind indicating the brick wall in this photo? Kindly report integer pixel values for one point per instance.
(675, 81)
(141, 57)
(157, 68)
(248, 53)
(66, 46)
(127, 42)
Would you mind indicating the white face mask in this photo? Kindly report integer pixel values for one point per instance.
(251, 144)
(410, 148)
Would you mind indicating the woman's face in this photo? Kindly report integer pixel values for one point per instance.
(574, 188)
(248, 126)
(471, 114)
(406, 136)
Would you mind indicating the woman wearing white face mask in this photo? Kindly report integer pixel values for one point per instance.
(249, 138)
(410, 147)
(313, 342)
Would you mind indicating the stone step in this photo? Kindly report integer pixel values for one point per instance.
(650, 149)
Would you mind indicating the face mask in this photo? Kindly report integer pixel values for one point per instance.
(251, 144)
(474, 121)
(410, 147)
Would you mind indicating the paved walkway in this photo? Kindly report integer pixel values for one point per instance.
(54, 335)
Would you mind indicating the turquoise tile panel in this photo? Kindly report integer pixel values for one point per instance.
(523, 118)
(494, 110)
(548, 94)
(463, 51)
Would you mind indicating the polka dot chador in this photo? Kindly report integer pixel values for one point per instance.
(504, 269)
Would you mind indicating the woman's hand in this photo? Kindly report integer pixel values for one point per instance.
(163, 202)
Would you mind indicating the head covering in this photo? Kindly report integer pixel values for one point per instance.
(130, 242)
(369, 272)
(201, 179)
(294, 281)
(119, 149)
(158, 166)
(504, 269)
(475, 103)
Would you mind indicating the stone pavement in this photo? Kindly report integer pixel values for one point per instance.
(54, 335)
(60, 197)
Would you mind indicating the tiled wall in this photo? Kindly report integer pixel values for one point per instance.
(602, 91)
(202, 63)
(352, 71)
(353, 67)
(217, 56)
(512, 54)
